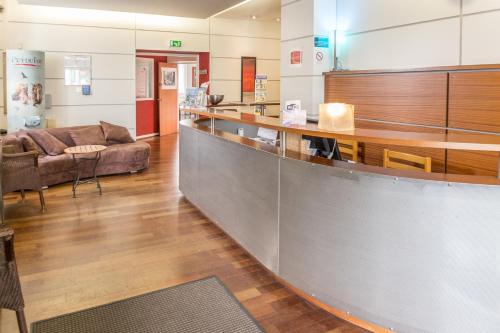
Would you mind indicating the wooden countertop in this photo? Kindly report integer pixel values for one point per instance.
(442, 177)
(452, 140)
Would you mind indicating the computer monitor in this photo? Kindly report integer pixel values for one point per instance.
(327, 148)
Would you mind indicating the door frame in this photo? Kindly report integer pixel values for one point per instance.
(179, 54)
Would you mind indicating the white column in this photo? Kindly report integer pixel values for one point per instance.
(301, 21)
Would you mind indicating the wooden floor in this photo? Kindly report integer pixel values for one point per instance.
(141, 235)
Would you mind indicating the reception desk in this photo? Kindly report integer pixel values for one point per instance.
(389, 250)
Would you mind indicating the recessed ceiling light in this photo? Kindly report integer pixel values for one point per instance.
(278, 19)
(254, 17)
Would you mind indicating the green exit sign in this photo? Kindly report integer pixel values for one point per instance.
(175, 43)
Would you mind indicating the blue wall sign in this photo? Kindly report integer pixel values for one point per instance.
(86, 90)
(320, 41)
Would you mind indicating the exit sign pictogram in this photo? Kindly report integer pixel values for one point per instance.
(175, 43)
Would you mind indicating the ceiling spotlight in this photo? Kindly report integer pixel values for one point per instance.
(254, 17)
(278, 19)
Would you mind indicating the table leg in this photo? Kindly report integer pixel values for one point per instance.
(97, 158)
(76, 178)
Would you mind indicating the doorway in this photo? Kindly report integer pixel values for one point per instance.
(158, 113)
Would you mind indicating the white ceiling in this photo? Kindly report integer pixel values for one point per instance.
(183, 8)
(264, 10)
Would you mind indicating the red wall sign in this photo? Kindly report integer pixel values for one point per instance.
(249, 69)
(295, 57)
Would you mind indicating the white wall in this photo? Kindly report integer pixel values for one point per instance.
(112, 38)
(232, 39)
(383, 34)
(300, 21)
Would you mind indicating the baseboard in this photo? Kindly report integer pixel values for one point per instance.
(145, 136)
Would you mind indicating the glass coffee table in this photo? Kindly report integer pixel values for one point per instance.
(81, 154)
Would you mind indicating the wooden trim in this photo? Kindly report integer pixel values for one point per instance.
(485, 67)
(330, 309)
(145, 136)
(357, 167)
(459, 141)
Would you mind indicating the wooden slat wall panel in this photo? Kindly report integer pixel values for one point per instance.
(415, 98)
(474, 104)
(472, 163)
(474, 101)
(455, 97)
(373, 153)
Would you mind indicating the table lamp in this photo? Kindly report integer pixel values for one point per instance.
(336, 117)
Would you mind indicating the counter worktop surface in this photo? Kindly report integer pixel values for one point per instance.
(450, 140)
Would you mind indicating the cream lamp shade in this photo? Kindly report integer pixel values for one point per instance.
(336, 117)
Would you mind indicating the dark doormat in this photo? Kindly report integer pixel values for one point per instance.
(204, 305)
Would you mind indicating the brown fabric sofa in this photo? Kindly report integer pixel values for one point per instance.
(116, 159)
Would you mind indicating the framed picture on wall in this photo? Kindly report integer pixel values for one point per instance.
(248, 73)
(77, 70)
(168, 78)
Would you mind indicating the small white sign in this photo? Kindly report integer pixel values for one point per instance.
(293, 114)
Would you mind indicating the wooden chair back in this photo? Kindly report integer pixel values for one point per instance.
(395, 160)
(349, 147)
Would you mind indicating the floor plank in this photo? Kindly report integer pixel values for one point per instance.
(141, 235)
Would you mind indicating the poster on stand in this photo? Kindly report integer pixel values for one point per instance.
(261, 88)
(25, 81)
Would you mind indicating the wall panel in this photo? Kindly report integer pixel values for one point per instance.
(269, 67)
(475, 101)
(297, 20)
(362, 15)
(307, 67)
(236, 47)
(123, 115)
(436, 99)
(123, 65)
(70, 38)
(416, 98)
(230, 89)
(245, 28)
(226, 69)
(160, 40)
(473, 163)
(69, 16)
(103, 92)
(474, 6)
(428, 44)
(171, 23)
(480, 40)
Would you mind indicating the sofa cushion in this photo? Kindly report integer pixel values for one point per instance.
(29, 144)
(124, 153)
(56, 164)
(115, 133)
(91, 135)
(16, 146)
(62, 133)
(50, 144)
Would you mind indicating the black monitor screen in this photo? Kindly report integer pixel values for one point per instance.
(327, 148)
